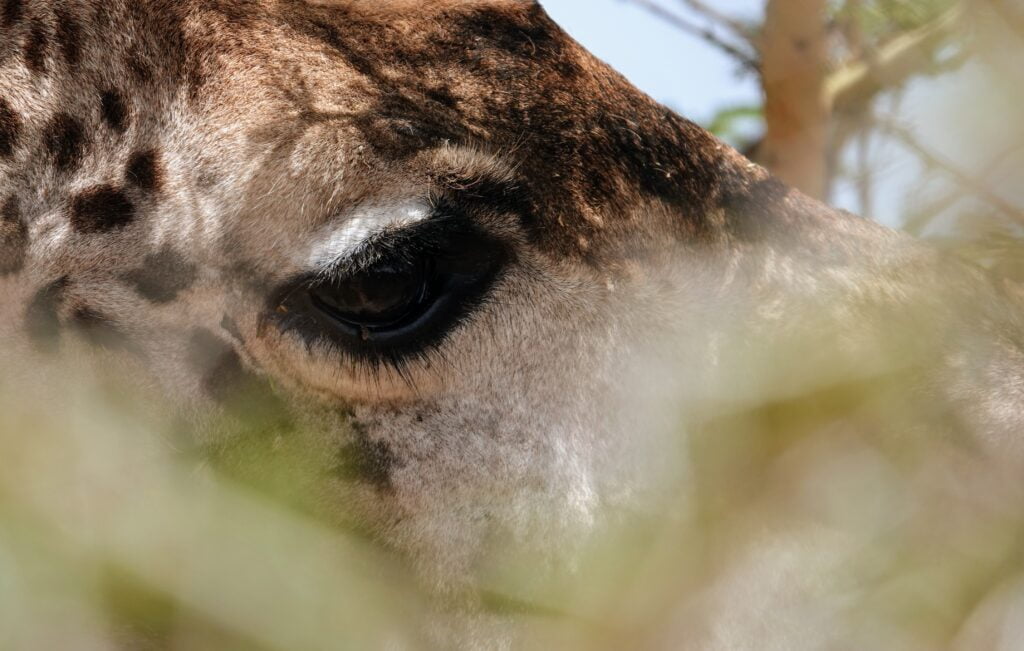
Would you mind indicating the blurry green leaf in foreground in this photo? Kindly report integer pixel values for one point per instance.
(107, 537)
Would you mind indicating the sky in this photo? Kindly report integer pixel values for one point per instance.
(675, 68)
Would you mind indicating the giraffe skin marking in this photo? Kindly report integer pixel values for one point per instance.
(10, 129)
(226, 381)
(11, 12)
(162, 276)
(13, 238)
(145, 171)
(213, 361)
(65, 139)
(42, 318)
(115, 113)
(366, 460)
(98, 329)
(36, 49)
(69, 36)
(101, 209)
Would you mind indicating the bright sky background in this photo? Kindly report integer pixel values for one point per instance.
(675, 68)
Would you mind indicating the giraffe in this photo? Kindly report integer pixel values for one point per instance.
(451, 242)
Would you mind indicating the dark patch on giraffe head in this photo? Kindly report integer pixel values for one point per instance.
(227, 381)
(69, 36)
(99, 329)
(753, 209)
(523, 33)
(114, 111)
(398, 127)
(42, 319)
(10, 128)
(584, 143)
(412, 113)
(11, 12)
(36, 48)
(64, 137)
(13, 238)
(162, 276)
(366, 460)
(215, 362)
(145, 171)
(141, 70)
(655, 155)
(101, 209)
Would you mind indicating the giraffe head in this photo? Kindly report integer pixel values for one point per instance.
(439, 234)
(419, 222)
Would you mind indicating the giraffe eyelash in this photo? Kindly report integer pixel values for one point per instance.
(396, 300)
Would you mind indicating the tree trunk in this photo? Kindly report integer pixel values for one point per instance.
(794, 65)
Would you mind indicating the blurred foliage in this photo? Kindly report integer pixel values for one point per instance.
(964, 199)
(740, 126)
(115, 534)
(880, 20)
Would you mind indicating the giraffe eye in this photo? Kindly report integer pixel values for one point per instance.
(379, 299)
(401, 296)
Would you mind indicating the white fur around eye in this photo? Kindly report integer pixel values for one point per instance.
(338, 241)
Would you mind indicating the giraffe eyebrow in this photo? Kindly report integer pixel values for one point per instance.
(378, 228)
(339, 243)
(402, 241)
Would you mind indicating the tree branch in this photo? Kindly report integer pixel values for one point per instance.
(972, 185)
(746, 59)
(737, 28)
(850, 88)
(794, 62)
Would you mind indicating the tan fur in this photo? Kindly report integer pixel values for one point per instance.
(657, 276)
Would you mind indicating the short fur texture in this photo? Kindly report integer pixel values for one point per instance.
(166, 166)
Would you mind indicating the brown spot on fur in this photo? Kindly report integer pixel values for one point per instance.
(13, 238)
(65, 140)
(10, 128)
(204, 348)
(145, 171)
(69, 36)
(36, 48)
(11, 12)
(98, 329)
(523, 33)
(101, 209)
(366, 460)
(227, 381)
(410, 114)
(162, 276)
(753, 208)
(42, 321)
(115, 113)
(141, 70)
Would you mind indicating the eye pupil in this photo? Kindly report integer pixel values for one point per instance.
(399, 295)
(376, 298)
